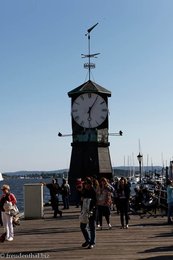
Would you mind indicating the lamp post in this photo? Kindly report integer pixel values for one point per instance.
(139, 157)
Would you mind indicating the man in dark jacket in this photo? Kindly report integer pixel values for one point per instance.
(65, 192)
(54, 190)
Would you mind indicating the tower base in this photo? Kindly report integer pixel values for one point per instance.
(88, 159)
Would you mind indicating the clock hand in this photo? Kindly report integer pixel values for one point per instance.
(93, 103)
(89, 110)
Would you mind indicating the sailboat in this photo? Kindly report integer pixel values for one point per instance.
(1, 177)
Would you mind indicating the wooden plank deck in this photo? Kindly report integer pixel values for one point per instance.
(49, 238)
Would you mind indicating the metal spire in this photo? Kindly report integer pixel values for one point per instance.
(89, 65)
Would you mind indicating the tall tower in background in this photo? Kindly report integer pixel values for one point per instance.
(90, 123)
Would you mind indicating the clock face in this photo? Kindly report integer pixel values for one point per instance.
(89, 110)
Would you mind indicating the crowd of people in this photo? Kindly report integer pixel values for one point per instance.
(96, 198)
(104, 195)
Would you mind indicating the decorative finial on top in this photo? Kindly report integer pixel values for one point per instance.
(90, 29)
(89, 65)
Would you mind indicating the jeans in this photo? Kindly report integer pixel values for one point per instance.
(103, 211)
(89, 230)
(124, 208)
(55, 206)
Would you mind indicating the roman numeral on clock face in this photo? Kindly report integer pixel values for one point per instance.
(74, 110)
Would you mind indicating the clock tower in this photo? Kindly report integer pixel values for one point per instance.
(90, 123)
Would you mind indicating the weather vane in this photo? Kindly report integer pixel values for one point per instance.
(89, 65)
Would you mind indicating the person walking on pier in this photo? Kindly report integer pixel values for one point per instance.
(7, 201)
(104, 202)
(88, 214)
(65, 192)
(123, 196)
(54, 190)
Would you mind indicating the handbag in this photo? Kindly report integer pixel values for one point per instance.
(7, 206)
(14, 211)
(16, 220)
(10, 209)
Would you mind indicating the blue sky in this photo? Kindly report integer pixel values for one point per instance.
(40, 61)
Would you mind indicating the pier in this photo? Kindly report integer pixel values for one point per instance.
(61, 238)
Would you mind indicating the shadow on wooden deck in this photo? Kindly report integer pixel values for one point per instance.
(61, 238)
